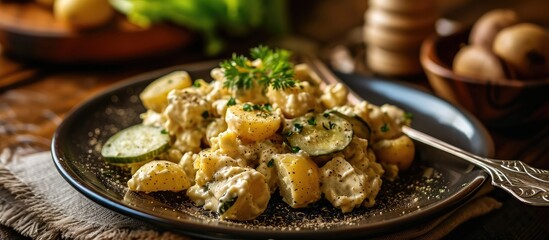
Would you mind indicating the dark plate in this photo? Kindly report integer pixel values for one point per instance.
(408, 201)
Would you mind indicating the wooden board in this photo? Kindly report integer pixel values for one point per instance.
(30, 30)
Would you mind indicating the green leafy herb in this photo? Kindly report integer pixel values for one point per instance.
(325, 127)
(206, 187)
(231, 102)
(326, 115)
(225, 205)
(196, 84)
(295, 149)
(312, 121)
(408, 116)
(267, 107)
(247, 107)
(330, 125)
(275, 70)
(163, 131)
(298, 127)
(384, 127)
(205, 114)
(270, 163)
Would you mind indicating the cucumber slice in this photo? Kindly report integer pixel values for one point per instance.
(360, 127)
(155, 95)
(318, 134)
(135, 144)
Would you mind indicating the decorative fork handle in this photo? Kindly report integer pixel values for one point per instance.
(527, 184)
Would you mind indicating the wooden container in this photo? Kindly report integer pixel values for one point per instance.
(502, 103)
(30, 30)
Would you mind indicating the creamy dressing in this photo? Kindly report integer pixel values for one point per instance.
(334, 95)
(342, 185)
(235, 176)
(294, 102)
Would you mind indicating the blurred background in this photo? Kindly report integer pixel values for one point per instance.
(106, 31)
(375, 37)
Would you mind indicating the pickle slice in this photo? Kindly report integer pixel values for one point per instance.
(135, 144)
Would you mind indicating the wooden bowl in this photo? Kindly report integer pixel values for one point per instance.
(30, 30)
(508, 102)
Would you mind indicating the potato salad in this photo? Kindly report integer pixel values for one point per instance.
(261, 126)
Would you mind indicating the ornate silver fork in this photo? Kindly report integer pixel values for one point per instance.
(528, 184)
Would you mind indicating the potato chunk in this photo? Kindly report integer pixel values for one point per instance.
(235, 193)
(399, 151)
(296, 101)
(299, 179)
(250, 194)
(208, 163)
(159, 175)
(342, 185)
(251, 123)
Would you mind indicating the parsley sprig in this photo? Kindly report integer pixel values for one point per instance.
(250, 107)
(275, 70)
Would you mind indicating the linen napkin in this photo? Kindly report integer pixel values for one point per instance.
(37, 202)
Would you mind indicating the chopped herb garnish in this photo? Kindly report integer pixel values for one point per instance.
(231, 102)
(206, 187)
(205, 114)
(295, 149)
(408, 116)
(196, 84)
(312, 121)
(267, 107)
(263, 114)
(247, 107)
(298, 127)
(325, 127)
(275, 70)
(289, 133)
(163, 131)
(330, 125)
(265, 110)
(271, 163)
(225, 205)
(384, 127)
(326, 115)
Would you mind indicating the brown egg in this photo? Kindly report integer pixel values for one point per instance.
(477, 62)
(488, 25)
(525, 47)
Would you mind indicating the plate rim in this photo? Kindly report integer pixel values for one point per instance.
(460, 197)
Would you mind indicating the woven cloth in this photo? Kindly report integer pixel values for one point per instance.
(37, 202)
